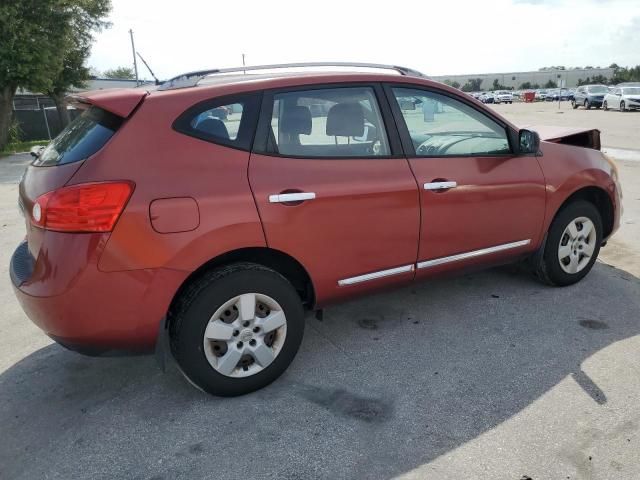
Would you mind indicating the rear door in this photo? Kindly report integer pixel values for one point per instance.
(480, 202)
(333, 189)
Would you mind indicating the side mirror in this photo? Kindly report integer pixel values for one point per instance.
(529, 141)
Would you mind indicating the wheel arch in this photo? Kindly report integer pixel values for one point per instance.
(281, 262)
(600, 199)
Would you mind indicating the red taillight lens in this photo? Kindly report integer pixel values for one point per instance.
(87, 207)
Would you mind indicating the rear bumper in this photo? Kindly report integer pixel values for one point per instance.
(86, 310)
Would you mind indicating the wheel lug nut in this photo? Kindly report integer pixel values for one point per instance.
(246, 323)
(256, 329)
(239, 345)
(252, 342)
(236, 333)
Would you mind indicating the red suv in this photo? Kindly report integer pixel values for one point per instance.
(208, 214)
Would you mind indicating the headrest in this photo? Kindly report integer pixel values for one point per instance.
(213, 126)
(346, 120)
(295, 119)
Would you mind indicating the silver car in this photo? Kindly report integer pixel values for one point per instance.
(622, 98)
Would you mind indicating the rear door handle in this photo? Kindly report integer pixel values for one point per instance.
(291, 197)
(440, 185)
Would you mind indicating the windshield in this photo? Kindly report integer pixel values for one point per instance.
(631, 91)
(83, 137)
(598, 89)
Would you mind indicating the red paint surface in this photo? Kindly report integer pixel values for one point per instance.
(112, 289)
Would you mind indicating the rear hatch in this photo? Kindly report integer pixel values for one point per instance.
(103, 113)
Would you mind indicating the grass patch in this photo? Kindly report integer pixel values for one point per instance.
(19, 147)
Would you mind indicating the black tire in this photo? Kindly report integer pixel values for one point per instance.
(546, 264)
(574, 104)
(192, 311)
(587, 104)
(605, 107)
(622, 106)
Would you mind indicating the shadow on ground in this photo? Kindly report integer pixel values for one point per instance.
(382, 385)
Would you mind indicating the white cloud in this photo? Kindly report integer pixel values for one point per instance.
(434, 37)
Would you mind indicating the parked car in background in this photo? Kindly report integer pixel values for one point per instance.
(487, 97)
(541, 94)
(150, 226)
(502, 96)
(622, 98)
(588, 96)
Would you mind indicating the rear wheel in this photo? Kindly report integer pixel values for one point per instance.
(622, 107)
(572, 245)
(574, 104)
(605, 106)
(587, 104)
(236, 329)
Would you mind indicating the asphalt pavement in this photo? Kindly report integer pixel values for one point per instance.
(488, 375)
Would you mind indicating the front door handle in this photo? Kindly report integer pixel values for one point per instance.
(291, 197)
(440, 186)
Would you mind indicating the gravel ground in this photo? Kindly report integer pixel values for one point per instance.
(487, 375)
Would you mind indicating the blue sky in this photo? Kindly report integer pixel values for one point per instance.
(434, 37)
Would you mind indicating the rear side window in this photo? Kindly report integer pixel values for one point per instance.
(332, 122)
(83, 137)
(226, 120)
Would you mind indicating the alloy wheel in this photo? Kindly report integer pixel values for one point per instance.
(577, 244)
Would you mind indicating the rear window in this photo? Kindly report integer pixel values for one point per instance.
(83, 137)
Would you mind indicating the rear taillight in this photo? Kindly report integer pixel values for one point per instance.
(87, 207)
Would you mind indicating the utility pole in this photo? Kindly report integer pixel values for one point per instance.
(135, 62)
(245, 72)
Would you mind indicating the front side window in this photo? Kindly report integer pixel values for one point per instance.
(441, 126)
(336, 122)
(83, 137)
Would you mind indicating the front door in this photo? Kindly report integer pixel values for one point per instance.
(333, 189)
(480, 202)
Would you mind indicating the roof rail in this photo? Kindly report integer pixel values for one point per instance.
(191, 79)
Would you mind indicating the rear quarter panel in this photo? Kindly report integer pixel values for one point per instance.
(166, 164)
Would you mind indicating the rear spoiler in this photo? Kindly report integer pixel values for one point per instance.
(580, 137)
(119, 101)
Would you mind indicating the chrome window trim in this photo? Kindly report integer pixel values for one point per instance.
(472, 254)
(375, 275)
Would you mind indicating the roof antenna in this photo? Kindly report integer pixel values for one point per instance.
(149, 68)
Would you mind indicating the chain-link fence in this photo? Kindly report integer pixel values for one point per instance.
(37, 118)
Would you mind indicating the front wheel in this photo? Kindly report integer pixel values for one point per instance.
(574, 104)
(236, 329)
(572, 245)
(587, 104)
(605, 106)
(622, 107)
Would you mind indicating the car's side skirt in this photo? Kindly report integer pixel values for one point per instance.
(432, 263)
(472, 254)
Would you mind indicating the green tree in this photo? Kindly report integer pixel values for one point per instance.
(525, 86)
(83, 18)
(36, 45)
(498, 86)
(127, 73)
(551, 84)
(29, 28)
(472, 85)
